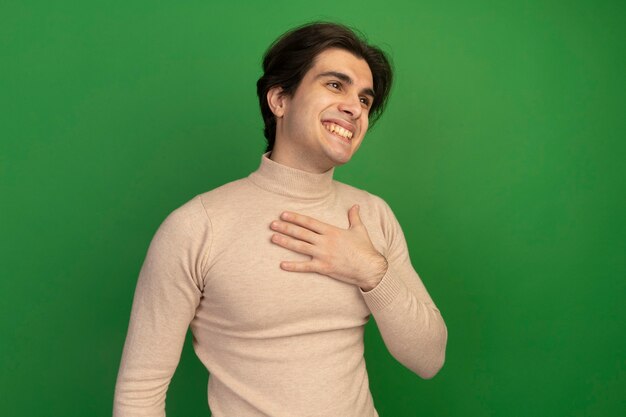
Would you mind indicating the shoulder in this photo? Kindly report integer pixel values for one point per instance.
(375, 211)
(200, 209)
(374, 202)
(185, 220)
(227, 196)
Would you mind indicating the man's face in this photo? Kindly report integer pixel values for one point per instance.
(324, 123)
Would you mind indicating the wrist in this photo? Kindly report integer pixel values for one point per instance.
(380, 269)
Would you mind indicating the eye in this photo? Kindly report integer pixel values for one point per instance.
(366, 101)
(335, 85)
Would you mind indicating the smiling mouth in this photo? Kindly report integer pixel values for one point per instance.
(338, 130)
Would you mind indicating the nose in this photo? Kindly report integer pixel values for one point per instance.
(351, 105)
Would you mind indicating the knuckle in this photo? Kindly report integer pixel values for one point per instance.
(299, 233)
(285, 241)
(326, 267)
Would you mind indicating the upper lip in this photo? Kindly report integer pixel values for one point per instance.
(346, 125)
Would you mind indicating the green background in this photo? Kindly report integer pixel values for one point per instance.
(501, 154)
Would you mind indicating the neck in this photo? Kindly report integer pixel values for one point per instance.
(298, 160)
(292, 182)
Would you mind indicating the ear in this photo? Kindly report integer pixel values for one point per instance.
(277, 101)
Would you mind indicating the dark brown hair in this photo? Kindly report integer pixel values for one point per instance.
(290, 57)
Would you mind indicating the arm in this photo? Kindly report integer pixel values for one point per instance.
(168, 291)
(409, 322)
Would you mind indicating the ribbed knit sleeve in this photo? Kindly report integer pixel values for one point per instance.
(408, 320)
(168, 292)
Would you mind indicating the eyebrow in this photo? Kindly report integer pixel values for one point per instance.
(346, 79)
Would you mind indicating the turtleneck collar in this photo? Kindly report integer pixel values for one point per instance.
(291, 182)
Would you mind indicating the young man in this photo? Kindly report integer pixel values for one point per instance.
(278, 273)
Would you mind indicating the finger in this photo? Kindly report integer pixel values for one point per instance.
(305, 221)
(295, 245)
(301, 266)
(353, 216)
(294, 230)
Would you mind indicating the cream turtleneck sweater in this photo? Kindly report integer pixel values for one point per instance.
(276, 343)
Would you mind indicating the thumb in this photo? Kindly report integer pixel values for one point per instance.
(353, 216)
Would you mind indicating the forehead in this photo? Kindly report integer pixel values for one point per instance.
(340, 60)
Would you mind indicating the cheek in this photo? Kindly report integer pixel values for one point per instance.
(364, 126)
(295, 119)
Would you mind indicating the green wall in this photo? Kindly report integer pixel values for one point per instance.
(501, 153)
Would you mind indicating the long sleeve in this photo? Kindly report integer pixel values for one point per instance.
(409, 322)
(168, 292)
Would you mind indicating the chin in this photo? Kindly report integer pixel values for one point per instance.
(340, 159)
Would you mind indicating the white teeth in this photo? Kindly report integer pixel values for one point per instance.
(331, 127)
